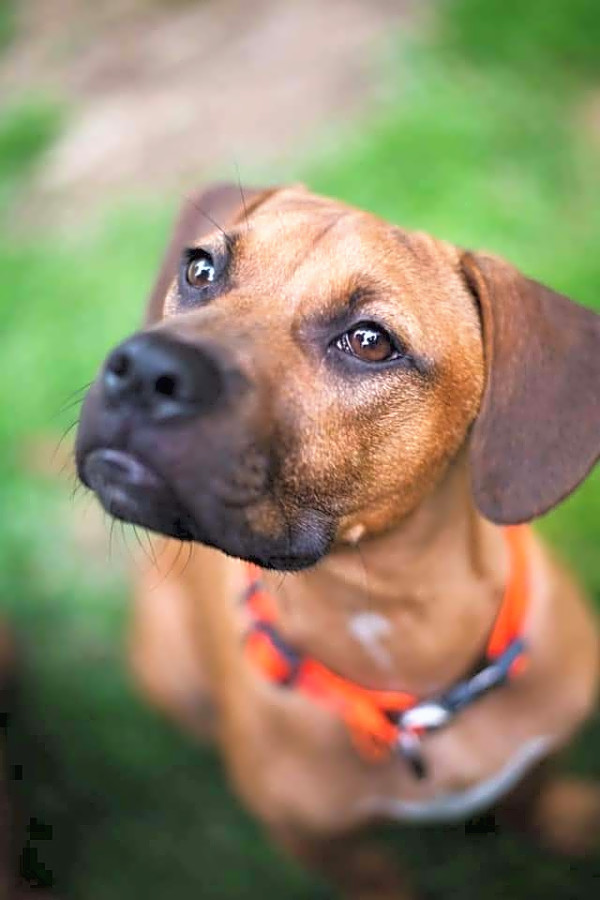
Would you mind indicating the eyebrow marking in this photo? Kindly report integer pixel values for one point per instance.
(359, 293)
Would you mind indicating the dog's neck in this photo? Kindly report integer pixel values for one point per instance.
(410, 609)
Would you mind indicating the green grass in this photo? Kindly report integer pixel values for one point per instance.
(26, 130)
(548, 43)
(480, 143)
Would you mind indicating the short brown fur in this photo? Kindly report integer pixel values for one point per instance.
(390, 462)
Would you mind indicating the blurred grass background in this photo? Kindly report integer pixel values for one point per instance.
(489, 136)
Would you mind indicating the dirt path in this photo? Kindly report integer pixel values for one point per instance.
(163, 93)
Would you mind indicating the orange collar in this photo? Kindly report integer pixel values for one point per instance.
(381, 722)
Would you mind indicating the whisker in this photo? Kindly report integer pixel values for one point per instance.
(284, 575)
(67, 406)
(110, 538)
(189, 558)
(69, 401)
(141, 545)
(151, 548)
(89, 496)
(126, 529)
(64, 435)
(170, 569)
(239, 181)
(69, 461)
(228, 238)
(78, 487)
(130, 554)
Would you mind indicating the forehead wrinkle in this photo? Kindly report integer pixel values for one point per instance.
(404, 238)
(321, 234)
(286, 238)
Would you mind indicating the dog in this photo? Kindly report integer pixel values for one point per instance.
(377, 414)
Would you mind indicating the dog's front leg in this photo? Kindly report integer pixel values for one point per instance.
(561, 812)
(354, 863)
(166, 644)
(568, 815)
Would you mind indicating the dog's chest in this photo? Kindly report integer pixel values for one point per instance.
(299, 763)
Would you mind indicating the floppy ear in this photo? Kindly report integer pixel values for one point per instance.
(538, 431)
(218, 206)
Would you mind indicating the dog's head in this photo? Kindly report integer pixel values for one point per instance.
(308, 372)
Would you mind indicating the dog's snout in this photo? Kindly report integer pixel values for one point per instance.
(162, 377)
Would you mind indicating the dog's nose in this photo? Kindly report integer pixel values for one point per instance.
(162, 377)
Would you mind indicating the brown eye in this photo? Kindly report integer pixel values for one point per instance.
(201, 270)
(368, 342)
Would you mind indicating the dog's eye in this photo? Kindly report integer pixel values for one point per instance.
(369, 342)
(201, 270)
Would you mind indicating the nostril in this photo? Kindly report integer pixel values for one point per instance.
(166, 385)
(119, 365)
(162, 377)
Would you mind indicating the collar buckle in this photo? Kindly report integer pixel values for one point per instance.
(426, 716)
(409, 745)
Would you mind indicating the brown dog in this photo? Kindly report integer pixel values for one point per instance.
(324, 394)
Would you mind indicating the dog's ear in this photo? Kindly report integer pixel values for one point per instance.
(218, 206)
(538, 431)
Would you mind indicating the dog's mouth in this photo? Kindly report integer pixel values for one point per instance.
(132, 490)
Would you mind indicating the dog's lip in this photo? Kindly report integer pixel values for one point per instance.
(131, 490)
(288, 562)
(105, 465)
